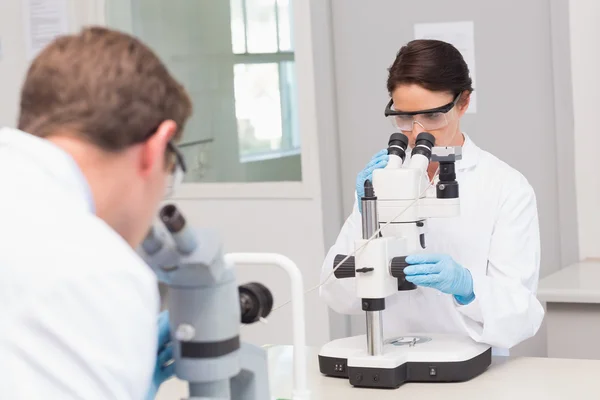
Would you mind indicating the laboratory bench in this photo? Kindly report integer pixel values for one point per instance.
(507, 378)
(572, 299)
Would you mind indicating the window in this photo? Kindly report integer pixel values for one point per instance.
(236, 60)
(264, 79)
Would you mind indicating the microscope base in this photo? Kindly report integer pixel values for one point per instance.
(410, 358)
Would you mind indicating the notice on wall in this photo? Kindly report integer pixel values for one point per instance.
(44, 21)
(462, 36)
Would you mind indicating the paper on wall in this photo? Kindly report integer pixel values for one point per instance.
(462, 36)
(44, 21)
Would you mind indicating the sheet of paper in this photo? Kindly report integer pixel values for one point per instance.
(462, 36)
(44, 21)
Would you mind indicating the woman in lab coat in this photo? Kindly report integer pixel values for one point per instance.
(479, 272)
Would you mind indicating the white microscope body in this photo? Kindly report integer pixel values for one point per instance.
(399, 201)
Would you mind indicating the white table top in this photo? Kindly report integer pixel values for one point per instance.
(578, 283)
(512, 378)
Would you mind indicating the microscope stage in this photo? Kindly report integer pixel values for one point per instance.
(410, 358)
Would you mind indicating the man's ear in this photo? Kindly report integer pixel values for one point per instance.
(154, 149)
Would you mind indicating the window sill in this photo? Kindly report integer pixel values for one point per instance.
(241, 190)
(269, 156)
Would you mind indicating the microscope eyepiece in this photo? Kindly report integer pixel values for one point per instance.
(425, 138)
(175, 223)
(152, 242)
(399, 139)
(423, 145)
(172, 218)
(397, 145)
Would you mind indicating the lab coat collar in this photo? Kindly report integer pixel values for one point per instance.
(470, 154)
(53, 160)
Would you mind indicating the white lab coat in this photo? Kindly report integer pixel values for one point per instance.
(496, 237)
(78, 306)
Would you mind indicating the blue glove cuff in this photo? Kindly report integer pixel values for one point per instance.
(464, 300)
(468, 298)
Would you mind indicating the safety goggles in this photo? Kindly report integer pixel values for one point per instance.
(431, 119)
(177, 170)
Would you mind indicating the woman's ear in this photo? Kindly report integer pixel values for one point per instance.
(463, 102)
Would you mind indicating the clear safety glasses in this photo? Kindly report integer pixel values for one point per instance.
(178, 170)
(432, 119)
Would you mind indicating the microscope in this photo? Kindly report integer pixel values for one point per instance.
(206, 307)
(205, 310)
(395, 209)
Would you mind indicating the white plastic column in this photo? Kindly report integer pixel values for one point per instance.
(300, 390)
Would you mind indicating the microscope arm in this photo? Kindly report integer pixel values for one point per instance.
(300, 390)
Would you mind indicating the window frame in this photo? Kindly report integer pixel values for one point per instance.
(309, 186)
(291, 143)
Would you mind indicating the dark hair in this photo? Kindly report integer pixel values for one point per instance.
(435, 65)
(105, 86)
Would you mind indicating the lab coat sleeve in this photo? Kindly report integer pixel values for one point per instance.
(506, 310)
(92, 337)
(340, 294)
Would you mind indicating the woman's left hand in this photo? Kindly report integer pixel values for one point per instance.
(441, 272)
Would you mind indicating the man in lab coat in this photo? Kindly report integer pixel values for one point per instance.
(81, 180)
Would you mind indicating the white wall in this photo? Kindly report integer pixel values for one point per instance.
(361, 59)
(277, 217)
(290, 227)
(585, 65)
(291, 222)
(13, 61)
(193, 38)
(285, 217)
(13, 57)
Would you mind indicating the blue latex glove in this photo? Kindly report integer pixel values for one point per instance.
(441, 272)
(162, 372)
(379, 160)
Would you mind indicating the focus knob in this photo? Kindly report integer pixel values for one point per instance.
(256, 302)
(397, 271)
(346, 270)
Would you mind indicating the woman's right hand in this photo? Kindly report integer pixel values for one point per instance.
(378, 161)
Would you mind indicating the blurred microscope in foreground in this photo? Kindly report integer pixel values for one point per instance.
(206, 307)
(395, 209)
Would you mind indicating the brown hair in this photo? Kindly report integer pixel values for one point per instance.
(102, 85)
(435, 65)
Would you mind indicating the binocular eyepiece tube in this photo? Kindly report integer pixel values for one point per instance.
(152, 242)
(397, 150)
(177, 226)
(421, 154)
